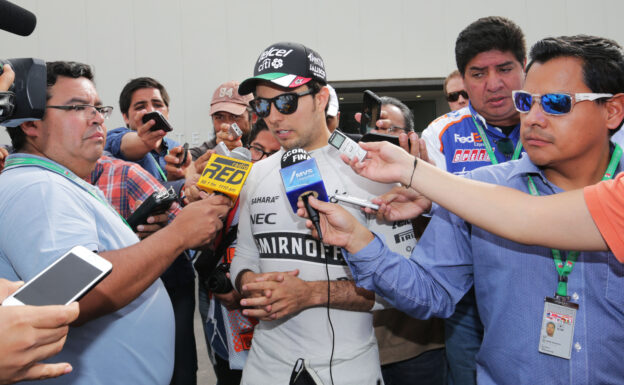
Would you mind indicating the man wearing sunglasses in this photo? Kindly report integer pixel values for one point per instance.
(570, 105)
(455, 92)
(490, 55)
(279, 269)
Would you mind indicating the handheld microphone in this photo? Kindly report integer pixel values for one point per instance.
(16, 19)
(226, 174)
(302, 178)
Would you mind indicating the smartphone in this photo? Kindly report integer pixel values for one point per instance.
(66, 280)
(346, 145)
(235, 131)
(371, 111)
(183, 155)
(161, 122)
(156, 203)
(374, 137)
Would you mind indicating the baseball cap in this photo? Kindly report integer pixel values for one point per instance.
(226, 98)
(288, 65)
(332, 109)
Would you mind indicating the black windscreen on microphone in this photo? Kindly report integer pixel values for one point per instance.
(16, 19)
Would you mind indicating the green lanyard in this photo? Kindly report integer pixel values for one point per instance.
(20, 161)
(488, 146)
(158, 167)
(565, 268)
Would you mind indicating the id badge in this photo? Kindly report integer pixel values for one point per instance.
(557, 327)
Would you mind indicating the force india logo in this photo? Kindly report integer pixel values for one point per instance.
(470, 155)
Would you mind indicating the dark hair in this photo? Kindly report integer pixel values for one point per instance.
(408, 115)
(125, 98)
(448, 79)
(257, 128)
(54, 69)
(603, 59)
(488, 33)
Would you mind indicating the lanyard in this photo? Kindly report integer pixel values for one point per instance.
(565, 268)
(158, 167)
(488, 146)
(20, 161)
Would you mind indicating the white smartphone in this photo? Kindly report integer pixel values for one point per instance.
(346, 145)
(354, 201)
(66, 280)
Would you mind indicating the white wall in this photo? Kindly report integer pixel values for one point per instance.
(192, 46)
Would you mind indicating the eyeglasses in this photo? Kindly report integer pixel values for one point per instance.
(258, 153)
(285, 103)
(454, 96)
(393, 130)
(553, 104)
(87, 110)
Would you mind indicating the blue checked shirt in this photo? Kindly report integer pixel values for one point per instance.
(511, 281)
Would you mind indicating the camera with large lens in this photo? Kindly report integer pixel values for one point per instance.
(218, 282)
(26, 99)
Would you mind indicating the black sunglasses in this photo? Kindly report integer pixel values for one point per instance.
(454, 96)
(285, 103)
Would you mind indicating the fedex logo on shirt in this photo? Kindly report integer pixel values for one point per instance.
(473, 138)
(470, 155)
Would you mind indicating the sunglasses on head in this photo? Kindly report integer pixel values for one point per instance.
(285, 103)
(454, 96)
(554, 103)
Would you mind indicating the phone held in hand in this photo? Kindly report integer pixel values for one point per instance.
(183, 155)
(157, 203)
(65, 281)
(371, 111)
(159, 118)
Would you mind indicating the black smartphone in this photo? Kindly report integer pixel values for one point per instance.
(374, 137)
(371, 111)
(156, 203)
(161, 122)
(183, 155)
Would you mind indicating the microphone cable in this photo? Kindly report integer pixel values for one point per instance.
(314, 217)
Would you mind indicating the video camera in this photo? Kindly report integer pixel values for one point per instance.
(26, 99)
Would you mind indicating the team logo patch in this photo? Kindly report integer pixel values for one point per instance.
(470, 155)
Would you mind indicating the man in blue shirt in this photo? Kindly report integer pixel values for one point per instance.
(570, 105)
(490, 55)
(126, 331)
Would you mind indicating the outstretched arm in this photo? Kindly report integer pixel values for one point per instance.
(559, 221)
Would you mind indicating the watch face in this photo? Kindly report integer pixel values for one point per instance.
(336, 140)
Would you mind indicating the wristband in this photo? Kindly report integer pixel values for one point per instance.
(413, 171)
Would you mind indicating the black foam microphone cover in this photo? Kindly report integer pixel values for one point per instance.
(16, 19)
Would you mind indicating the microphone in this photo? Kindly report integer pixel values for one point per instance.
(302, 178)
(226, 174)
(16, 19)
